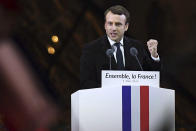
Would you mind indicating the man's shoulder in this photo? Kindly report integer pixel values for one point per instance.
(95, 44)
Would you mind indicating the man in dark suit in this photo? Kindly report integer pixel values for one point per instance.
(94, 58)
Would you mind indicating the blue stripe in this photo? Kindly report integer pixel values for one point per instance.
(126, 108)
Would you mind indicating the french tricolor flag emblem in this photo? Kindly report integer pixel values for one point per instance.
(139, 116)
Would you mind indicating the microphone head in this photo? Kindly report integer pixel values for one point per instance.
(133, 51)
(114, 48)
(109, 52)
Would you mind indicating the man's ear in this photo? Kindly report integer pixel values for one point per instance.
(105, 25)
(126, 26)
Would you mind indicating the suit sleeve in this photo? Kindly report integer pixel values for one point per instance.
(88, 78)
(150, 64)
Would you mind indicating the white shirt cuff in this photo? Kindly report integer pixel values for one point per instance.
(156, 59)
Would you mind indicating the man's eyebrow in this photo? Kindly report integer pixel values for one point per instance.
(118, 23)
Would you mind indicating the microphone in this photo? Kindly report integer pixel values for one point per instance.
(134, 52)
(109, 53)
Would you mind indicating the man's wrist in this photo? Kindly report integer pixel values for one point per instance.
(156, 58)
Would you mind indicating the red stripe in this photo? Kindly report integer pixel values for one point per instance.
(144, 108)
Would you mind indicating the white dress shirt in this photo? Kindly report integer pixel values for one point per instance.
(122, 50)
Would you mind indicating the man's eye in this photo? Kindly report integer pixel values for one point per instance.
(109, 23)
(118, 24)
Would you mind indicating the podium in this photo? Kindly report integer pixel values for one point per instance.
(123, 108)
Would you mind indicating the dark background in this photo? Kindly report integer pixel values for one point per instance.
(76, 22)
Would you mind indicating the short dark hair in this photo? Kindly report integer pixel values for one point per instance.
(119, 10)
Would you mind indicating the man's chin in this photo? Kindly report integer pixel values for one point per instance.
(113, 38)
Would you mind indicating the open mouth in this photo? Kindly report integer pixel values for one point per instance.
(113, 34)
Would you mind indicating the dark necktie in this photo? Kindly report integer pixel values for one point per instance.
(119, 57)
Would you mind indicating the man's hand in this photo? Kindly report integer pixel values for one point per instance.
(152, 47)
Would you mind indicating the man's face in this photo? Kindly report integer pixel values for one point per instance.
(115, 26)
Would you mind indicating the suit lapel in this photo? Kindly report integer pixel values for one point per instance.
(130, 61)
(106, 45)
(128, 57)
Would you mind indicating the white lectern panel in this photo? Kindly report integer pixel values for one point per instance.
(97, 110)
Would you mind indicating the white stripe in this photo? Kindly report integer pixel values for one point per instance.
(135, 109)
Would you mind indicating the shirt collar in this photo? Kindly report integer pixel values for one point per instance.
(113, 42)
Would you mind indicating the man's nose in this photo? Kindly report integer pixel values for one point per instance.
(113, 27)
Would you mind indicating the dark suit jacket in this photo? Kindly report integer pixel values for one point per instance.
(94, 60)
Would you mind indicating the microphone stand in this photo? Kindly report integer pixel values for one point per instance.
(134, 52)
(138, 62)
(109, 53)
(110, 63)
